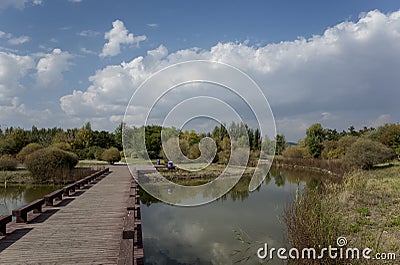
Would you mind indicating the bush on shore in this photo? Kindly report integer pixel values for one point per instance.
(8, 163)
(365, 153)
(111, 155)
(294, 152)
(50, 164)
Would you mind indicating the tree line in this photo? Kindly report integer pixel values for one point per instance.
(85, 142)
(363, 148)
(222, 135)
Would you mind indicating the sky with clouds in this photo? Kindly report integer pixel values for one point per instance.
(66, 62)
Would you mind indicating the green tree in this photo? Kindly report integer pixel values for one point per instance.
(184, 146)
(103, 139)
(194, 151)
(389, 135)
(281, 144)
(315, 137)
(84, 137)
(257, 140)
(118, 135)
(153, 140)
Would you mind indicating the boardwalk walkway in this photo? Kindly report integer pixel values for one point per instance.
(85, 230)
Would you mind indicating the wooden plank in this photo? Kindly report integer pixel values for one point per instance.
(131, 203)
(21, 213)
(126, 252)
(49, 198)
(138, 256)
(137, 236)
(4, 220)
(128, 232)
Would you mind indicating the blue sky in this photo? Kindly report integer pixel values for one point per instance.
(56, 68)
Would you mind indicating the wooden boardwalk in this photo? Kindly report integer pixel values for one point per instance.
(84, 229)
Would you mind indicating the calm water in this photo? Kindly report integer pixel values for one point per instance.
(208, 234)
(18, 195)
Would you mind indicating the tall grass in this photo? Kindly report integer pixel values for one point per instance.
(311, 224)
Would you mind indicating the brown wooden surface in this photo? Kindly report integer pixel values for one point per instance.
(86, 230)
(131, 251)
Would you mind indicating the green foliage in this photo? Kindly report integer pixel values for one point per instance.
(8, 163)
(365, 153)
(315, 136)
(63, 146)
(330, 150)
(111, 155)
(194, 151)
(389, 135)
(153, 140)
(281, 144)
(344, 144)
(28, 149)
(118, 135)
(97, 152)
(47, 163)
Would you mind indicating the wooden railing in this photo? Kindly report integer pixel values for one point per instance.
(21, 213)
(132, 241)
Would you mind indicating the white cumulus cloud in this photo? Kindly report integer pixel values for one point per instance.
(118, 36)
(12, 68)
(50, 69)
(349, 74)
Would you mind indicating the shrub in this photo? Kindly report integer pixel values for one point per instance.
(365, 153)
(8, 162)
(111, 155)
(28, 149)
(294, 152)
(63, 146)
(50, 163)
(344, 144)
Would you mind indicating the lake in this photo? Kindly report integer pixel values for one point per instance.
(15, 196)
(214, 233)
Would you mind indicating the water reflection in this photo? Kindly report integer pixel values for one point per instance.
(15, 196)
(205, 234)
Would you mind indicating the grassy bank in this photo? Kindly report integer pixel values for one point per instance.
(364, 208)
